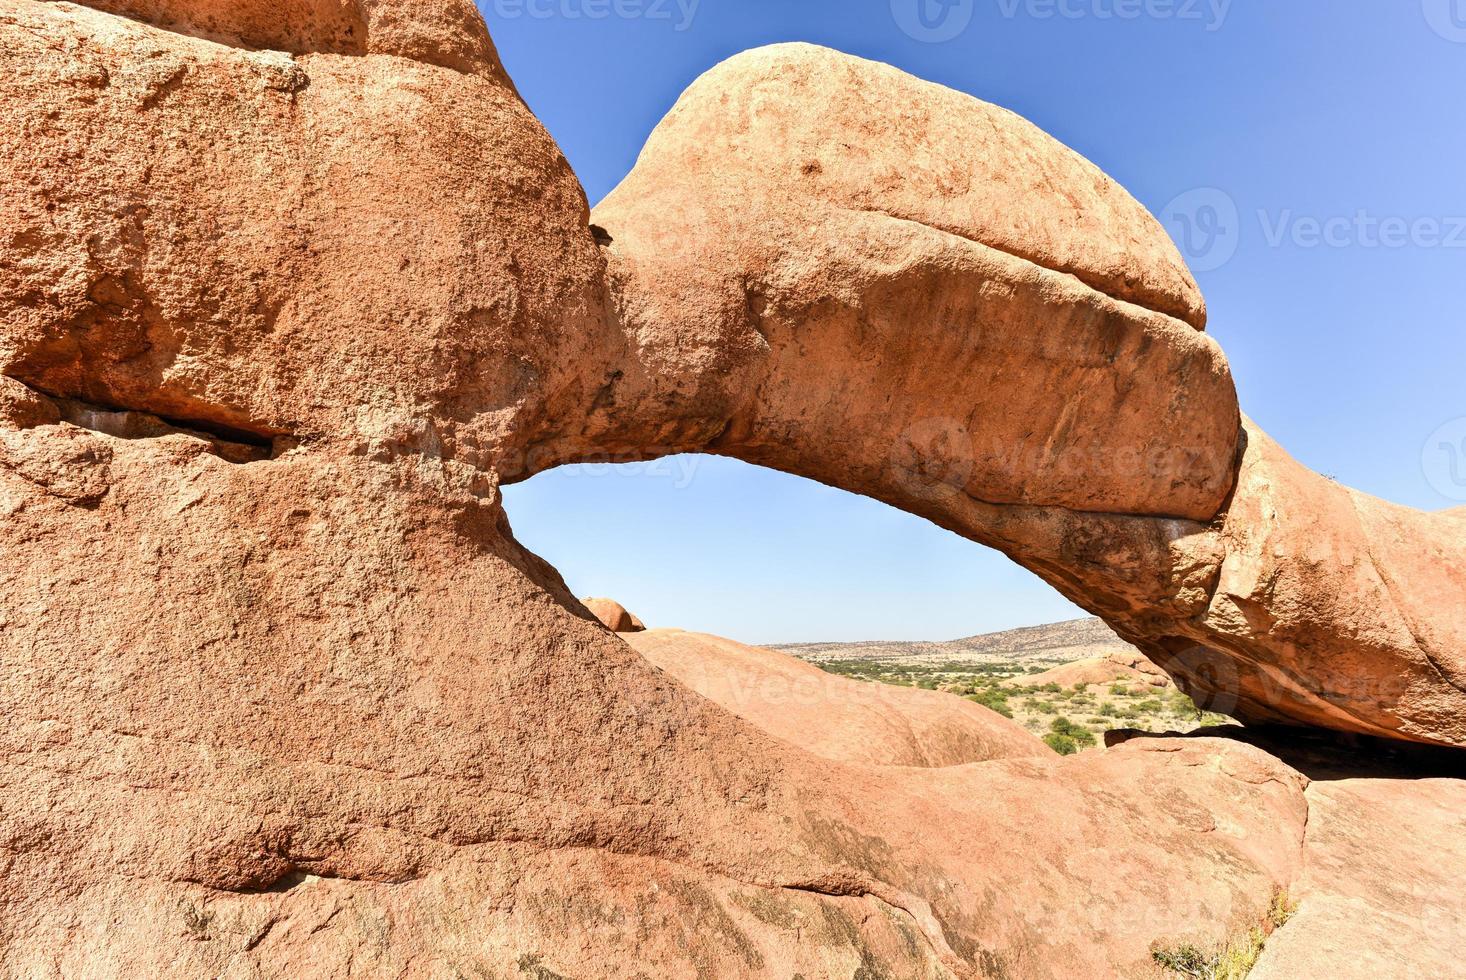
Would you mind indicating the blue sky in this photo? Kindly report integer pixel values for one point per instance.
(1317, 150)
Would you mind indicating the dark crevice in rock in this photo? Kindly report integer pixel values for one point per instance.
(230, 443)
(291, 879)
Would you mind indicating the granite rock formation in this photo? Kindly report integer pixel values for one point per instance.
(288, 292)
(826, 266)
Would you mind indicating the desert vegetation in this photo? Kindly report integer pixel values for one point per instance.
(1068, 719)
(1232, 960)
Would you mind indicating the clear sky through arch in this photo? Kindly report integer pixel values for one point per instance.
(1307, 155)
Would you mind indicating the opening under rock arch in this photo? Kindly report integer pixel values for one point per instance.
(712, 545)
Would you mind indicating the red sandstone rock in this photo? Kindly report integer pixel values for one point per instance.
(256, 231)
(440, 32)
(833, 716)
(1140, 663)
(825, 265)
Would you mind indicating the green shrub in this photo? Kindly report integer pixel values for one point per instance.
(994, 700)
(1062, 744)
(1081, 736)
(1232, 960)
(1182, 705)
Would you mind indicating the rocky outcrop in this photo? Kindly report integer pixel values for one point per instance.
(826, 266)
(1138, 662)
(439, 32)
(305, 707)
(1379, 894)
(1099, 670)
(831, 716)
(877, 285)
(283, 696)
(256, 230)
(613, 616)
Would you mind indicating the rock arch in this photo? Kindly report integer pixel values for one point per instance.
(319, 711)
(826, 266)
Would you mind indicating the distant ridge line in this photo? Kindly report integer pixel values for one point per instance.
(1058, 642)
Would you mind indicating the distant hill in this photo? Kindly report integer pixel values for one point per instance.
(1056, 643)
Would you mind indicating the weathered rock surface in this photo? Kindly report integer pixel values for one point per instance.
(1305, 602)
(1380, 891)
(826, 266)
(1377, 894)
(831, 716)
(1142, 665)
(256, 230)
(282, 695)
(613, 615)
(450, 33)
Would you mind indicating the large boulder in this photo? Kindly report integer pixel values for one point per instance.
(283, 696)
(1380, 893)
(832, 716)
(439, 32)
(257, 244)
(613, 616)
(1096, 670)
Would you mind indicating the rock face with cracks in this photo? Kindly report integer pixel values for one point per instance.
(288, 292)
